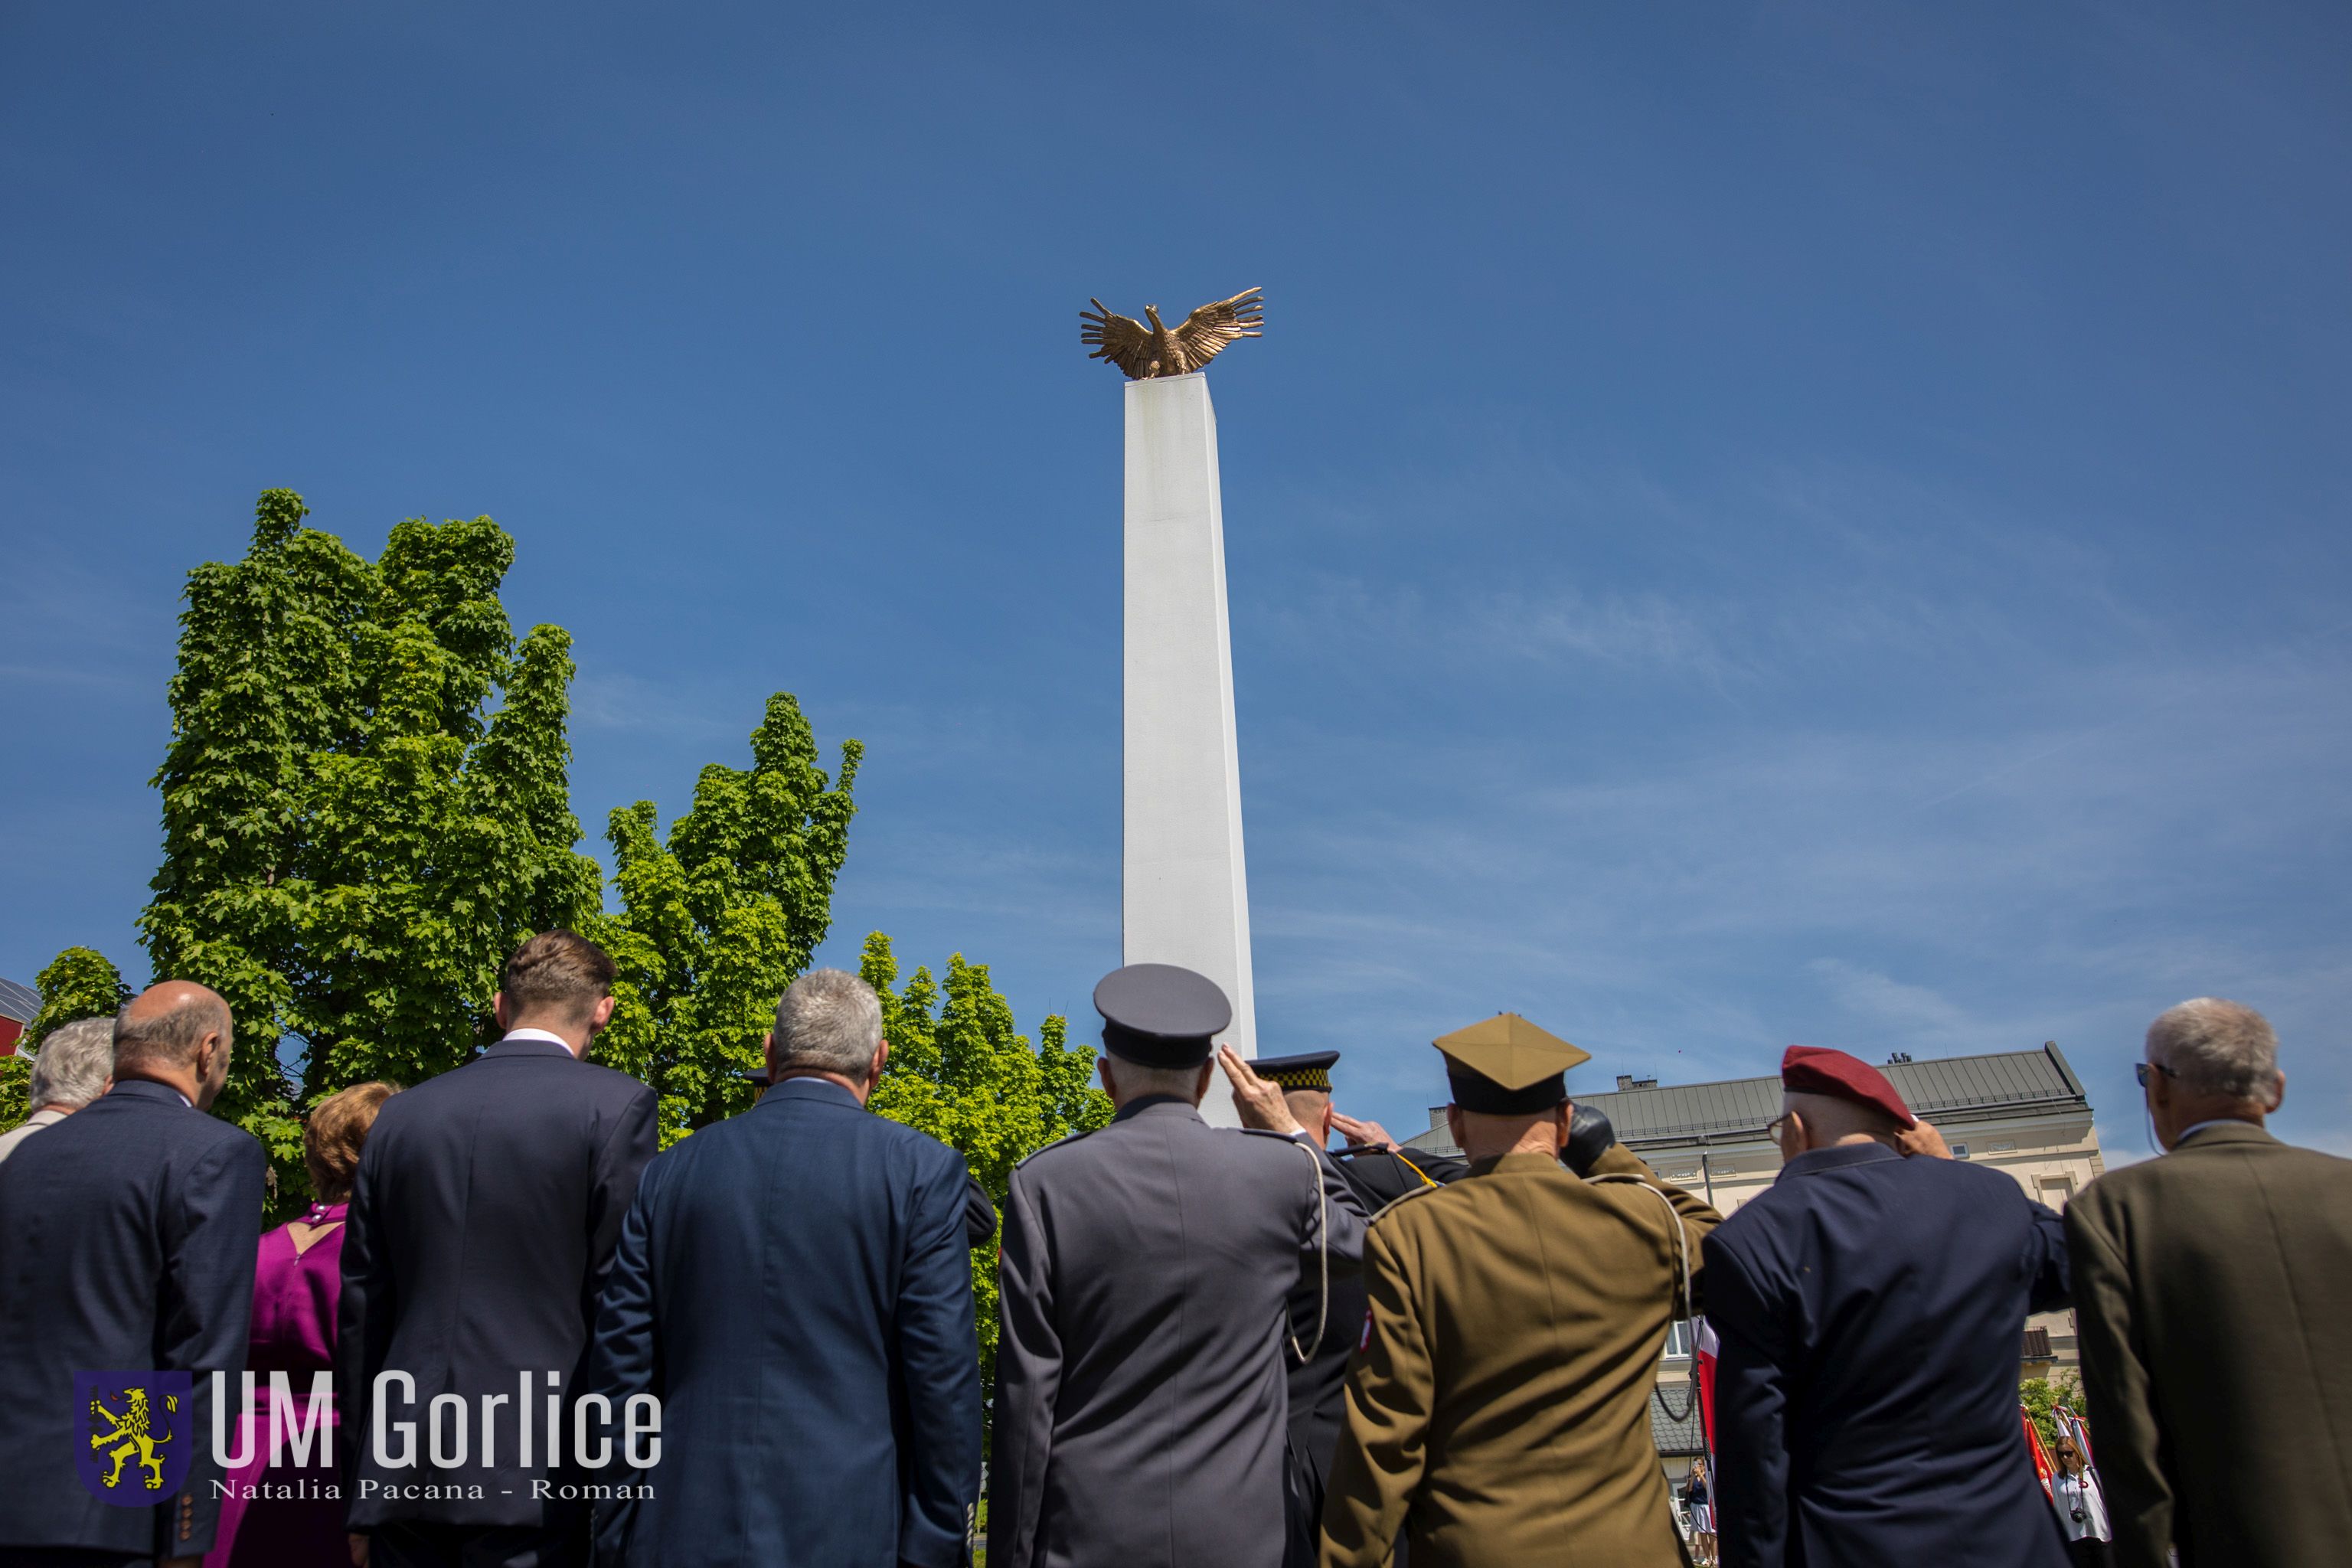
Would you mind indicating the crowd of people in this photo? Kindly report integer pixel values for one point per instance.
(1216, 1348)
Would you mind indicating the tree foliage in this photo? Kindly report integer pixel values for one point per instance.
(78, 984)
(366, 805)
(960, 1071)
(714, 924)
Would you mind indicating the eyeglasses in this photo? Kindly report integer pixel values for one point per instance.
(1774, 1128)
(2141, 1069)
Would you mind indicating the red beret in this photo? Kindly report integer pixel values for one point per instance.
(1809, 1069)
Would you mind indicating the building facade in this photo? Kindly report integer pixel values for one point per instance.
(2024, 1112)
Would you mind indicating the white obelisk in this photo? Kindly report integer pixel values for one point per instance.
(1185, 897)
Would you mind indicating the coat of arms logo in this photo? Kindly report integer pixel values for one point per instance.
(137, 1434)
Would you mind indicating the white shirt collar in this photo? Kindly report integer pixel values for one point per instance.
(541, 1035)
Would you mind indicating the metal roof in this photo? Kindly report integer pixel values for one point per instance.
(1675, 1423)
(1738, 1107)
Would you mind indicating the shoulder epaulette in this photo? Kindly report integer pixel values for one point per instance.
(1400, 1200)
(1056, 1143)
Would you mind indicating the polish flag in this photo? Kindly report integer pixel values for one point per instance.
(1703, 1369)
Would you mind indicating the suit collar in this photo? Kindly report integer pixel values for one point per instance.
(817, 1089)
(530, 1044)
(2223, 1131)
(1837, 1157)
(1158, 1105)
(148, 1089)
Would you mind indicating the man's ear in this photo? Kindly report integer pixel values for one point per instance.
(499, 1010)
(601, 1016)
(874, 1068)
(1102, 1070)
(768, 1053)
(1201, 1084)
(1453, 1125)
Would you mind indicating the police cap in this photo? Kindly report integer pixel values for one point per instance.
(1308, 1070)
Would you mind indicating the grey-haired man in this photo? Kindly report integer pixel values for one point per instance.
(74, 1066)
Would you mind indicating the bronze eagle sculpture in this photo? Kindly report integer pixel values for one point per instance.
(1159, 349)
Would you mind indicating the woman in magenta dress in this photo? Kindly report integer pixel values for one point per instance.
(287, 1515)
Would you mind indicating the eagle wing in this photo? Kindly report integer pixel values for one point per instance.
(1121, 340)
(1207, 331)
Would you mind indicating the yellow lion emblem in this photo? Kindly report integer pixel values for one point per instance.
(132, 1434)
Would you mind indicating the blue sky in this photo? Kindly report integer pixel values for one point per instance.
(1816, 522)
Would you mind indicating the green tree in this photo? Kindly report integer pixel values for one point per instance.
(715, 924)
(78, 984)
(366, 805)
(2040, 1395)
(960, 1071)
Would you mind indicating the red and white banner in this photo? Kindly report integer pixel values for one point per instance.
(2042, 1466)
(1703, 1370)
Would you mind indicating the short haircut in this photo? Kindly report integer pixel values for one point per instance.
(333, 1134)
(557, 971)
(1136, 1081)
(2217, 1047)
(169, 1038)
(828, 1021)
(72, 1064)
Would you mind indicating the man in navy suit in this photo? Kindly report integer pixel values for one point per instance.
(795, 1286)
(126, 1238)
(1869, 1305)
(480, 1228)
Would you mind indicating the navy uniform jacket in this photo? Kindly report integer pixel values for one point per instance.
(1869, 1309)
(482, 1221)
(795, 1285)
(127, 1240)
(1318, 1388)
(1147, 1272)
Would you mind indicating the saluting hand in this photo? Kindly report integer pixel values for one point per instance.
(1921, 1139)
(1260, 1104)
(1362, 1134)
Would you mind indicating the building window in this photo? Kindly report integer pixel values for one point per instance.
(2056, 1190)
(1960, 1151)
(1679, 1338)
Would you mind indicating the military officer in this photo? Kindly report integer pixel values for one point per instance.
(1381, 1173)
(1497, 1405)
(1147, 1275)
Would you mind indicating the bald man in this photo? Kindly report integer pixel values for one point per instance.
(1869, 1305)
(126, 1238)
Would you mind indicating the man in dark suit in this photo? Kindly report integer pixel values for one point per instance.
(480, 1228)
(795, 1286)
(127, 1238)
(1869, 1305)
(2213, 1290)
(1148, 1275)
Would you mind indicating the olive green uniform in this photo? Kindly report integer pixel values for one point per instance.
(1497, 1405)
